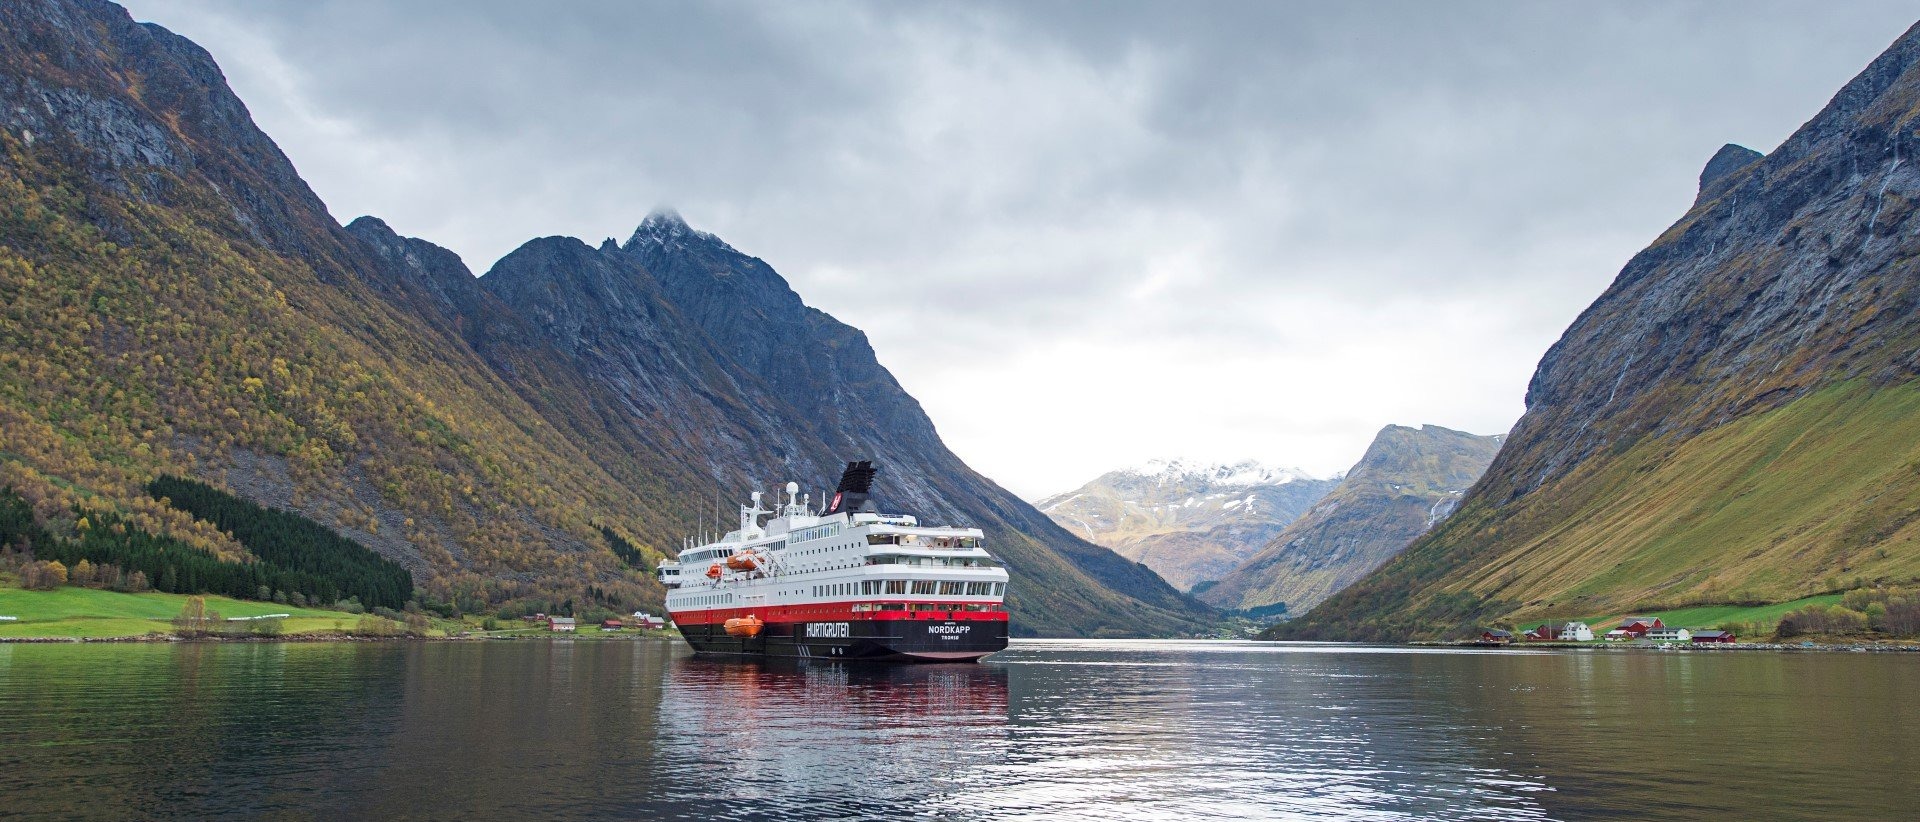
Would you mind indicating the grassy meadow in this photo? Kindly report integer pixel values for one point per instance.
(91, 613)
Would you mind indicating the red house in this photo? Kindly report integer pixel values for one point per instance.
(1714, 636)
(1495, 636)
(1546, 632)
(1639, 626)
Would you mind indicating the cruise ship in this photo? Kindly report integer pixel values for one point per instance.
(846, 583)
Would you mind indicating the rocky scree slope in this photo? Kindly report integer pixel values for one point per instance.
(1188, 521)
(1729, 422)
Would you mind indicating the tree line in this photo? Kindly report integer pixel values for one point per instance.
(297, 560)
(311, 557)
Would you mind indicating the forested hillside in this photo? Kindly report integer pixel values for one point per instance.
(178, 302)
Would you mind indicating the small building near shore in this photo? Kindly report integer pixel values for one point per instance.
(1495, 636)
(563, 625)
(1665, 634)
(1576, 632)
(611, 625)
(1617, 635)
(1714, 636)
(1639, 626)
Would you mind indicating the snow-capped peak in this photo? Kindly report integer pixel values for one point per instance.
(1242, 474)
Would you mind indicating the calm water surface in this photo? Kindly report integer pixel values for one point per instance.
(1044, 731)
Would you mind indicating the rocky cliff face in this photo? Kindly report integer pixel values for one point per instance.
(1769, 323)
(179, 301)
(1188, 521)
(718, 352)
(1409, 480)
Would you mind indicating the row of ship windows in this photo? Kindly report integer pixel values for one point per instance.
(824, 549)
(946, 562)
(712, 599)
(923, 542)
(924, 587)
(702, 556)
(913, 540)
(817, 533)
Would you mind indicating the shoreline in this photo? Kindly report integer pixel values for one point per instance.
(157, 639)
(1621, 647)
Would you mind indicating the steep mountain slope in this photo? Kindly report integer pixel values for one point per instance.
(1188, 521)
(1409, 480)
(1731, 421)
(178, 301)
(686, 329)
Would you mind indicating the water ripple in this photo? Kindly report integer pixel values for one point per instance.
(1045, 731)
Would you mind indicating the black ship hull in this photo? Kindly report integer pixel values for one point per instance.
(906, 641)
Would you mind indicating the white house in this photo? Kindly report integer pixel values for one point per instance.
(1670, 634)
(1576, 632)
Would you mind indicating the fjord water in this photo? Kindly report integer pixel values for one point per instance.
(1046, 730)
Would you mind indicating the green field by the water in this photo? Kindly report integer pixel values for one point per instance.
(90, 613)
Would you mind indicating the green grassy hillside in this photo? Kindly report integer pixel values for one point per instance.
(1755, 617)
(1809, 498)
(1733, 421)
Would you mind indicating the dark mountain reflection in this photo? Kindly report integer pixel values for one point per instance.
(1064, 730)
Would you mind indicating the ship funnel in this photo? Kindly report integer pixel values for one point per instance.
(855, 485)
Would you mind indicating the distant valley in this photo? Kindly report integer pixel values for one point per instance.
(1189, 521)
(1410, 480)
(1248, 538)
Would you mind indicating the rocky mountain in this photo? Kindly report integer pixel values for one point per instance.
(1733, 420)
(179, 301)
(1409, 480)
(682, 326)
(1190, 522)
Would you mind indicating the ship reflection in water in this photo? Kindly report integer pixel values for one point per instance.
(582, 730)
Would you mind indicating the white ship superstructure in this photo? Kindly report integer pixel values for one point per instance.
(846, 583)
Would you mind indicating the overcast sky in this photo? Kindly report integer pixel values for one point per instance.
(1082, 235)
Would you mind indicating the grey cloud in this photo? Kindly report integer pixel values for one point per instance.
(1255, 176)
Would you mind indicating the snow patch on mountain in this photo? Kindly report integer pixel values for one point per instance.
(1243, 474)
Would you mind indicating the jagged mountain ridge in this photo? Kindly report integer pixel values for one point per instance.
(179, 301)
(1189, 521)
(1408, 481)
(1730, 421)
(791, 391)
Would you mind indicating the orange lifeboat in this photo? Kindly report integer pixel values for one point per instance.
(746, 626)
(713, 571)
(743, 562)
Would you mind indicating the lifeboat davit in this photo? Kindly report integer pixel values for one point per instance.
(747, 626)
(713, 571)
(743, 562)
